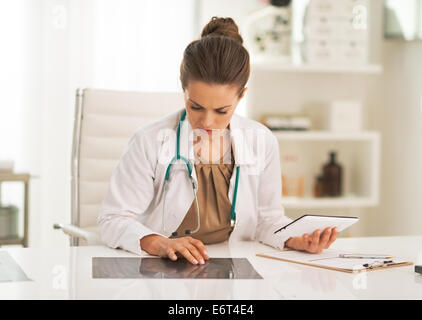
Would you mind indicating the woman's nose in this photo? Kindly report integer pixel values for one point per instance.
(207, 122)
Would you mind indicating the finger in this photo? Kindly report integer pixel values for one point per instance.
(333, 237)
(201, 247)
(171, 254)
(194, 252)
(186, 253)
(325, 237)
(315, 241)
(306, 241)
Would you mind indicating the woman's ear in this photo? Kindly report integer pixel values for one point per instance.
(242, 94)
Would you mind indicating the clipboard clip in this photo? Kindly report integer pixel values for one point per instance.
(378, 263)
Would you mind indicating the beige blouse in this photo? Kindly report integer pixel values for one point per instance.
(214, 204)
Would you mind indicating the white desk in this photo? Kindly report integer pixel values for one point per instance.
(67, 274)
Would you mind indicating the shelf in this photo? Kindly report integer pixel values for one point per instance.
(360, 157)
(325, 135)
(10, 241)
(10, 176)
(343, 202)
(316, 68)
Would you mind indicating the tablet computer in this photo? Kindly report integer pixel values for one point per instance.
(308, 223)
(163, 268)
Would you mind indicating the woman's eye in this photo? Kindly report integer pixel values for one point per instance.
(199, 108)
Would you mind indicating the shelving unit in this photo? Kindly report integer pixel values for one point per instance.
(343, 202)
(301, 85)
(276, 66)
(326, 135)
(23, 178)
(361, 159)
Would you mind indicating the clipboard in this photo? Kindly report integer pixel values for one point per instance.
(330, 259)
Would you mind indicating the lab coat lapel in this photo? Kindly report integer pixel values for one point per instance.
(186, 145)
(242, 140)
(179, 195)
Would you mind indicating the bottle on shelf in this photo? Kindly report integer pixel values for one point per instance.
(293, 181)
(333, 176)
(318, 187)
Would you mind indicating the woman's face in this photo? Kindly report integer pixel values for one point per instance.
(211, 106)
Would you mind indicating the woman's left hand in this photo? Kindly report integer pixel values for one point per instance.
(315, 243)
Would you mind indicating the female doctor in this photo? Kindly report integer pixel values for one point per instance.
(202, 175)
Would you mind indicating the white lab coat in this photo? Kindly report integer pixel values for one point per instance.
(132, 206)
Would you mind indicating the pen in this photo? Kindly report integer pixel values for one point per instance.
(378, 264)
(364, 256)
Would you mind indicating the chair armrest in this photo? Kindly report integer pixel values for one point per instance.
(74, 231)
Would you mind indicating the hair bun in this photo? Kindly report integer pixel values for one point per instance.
(222, 27)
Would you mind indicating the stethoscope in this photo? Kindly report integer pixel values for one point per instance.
(194, 186)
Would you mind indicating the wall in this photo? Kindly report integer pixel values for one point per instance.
(50, 139)
(55, 67)
(397, 114)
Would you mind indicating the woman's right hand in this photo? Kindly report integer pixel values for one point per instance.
(192, 249)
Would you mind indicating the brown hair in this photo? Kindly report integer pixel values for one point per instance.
(218, 57)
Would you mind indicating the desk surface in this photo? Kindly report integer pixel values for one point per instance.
(67, 274)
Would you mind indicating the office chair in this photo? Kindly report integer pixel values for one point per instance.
(105, 120)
